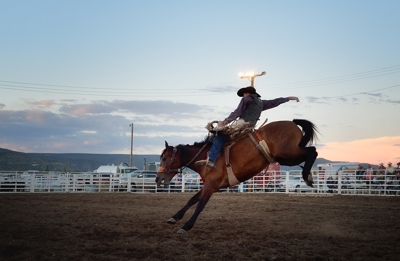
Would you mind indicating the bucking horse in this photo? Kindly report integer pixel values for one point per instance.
(241, 159)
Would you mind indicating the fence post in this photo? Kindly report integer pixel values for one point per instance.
(33, 179)
(287, 182)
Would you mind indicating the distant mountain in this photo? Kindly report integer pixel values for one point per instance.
(19, 161)
(5, 150)
(317, 161)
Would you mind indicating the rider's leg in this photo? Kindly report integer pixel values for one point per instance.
(216, 148)
(218, 143)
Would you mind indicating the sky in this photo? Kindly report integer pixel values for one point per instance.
(75, 74)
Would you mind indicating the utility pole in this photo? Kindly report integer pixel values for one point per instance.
(131, 125)
(251, 76)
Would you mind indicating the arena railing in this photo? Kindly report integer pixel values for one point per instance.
(325, 182)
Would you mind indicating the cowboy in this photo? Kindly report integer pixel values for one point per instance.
(390, 169)
(247, 112)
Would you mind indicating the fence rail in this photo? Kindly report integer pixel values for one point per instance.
(269, 182)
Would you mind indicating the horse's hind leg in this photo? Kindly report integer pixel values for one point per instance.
(311, 155)
(179, 215)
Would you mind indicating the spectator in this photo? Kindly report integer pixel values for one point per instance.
(397, 171)
(381, 169)
(360, 172)
(389, 186)
(380, 174)
(390, 170)
(369, 174)
(330, 183)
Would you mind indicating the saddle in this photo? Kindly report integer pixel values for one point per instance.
(236, 132)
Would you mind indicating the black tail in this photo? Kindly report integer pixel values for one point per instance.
(309, 132)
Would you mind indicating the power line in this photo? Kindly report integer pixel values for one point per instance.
(154, 92)
(109, 93)
(365, 92)
(338, 79)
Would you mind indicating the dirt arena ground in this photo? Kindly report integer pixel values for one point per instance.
(233, 226)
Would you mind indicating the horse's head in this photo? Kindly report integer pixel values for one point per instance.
(169, 166)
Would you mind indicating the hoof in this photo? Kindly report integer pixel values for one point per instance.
(171, 221)
(182, 231)
(309, 181)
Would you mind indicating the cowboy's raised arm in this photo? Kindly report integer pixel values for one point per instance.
(269, 104)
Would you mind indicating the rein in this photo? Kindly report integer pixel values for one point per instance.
(198, 153)
(173, 159)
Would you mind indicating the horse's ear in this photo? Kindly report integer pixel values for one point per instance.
(166, 144)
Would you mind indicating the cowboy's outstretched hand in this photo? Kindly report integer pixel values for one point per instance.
(293, 98)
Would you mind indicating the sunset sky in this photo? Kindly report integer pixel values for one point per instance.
(75, 74)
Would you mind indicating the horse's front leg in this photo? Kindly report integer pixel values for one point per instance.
(204, 197)
(179, 215)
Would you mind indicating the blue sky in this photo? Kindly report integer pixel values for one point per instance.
(75, 74)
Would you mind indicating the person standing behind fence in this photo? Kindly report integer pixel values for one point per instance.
(390, 170)
(397, 171)
(330, 183)
(380, 174)
(360, 172)
(369, 174)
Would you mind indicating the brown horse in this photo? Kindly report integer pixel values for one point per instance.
(287, 145)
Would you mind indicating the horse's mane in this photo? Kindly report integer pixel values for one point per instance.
(207, 139)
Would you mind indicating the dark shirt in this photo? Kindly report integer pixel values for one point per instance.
(267, 104)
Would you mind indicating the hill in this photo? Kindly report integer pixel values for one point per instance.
(79, 162)
(19, 161)
(5, 150)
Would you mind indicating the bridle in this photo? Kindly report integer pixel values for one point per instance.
(173, 160)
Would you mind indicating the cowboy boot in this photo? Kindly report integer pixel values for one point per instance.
(201, 162)
(210, 164)
(206, 162)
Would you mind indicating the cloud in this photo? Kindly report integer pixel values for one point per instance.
(43, 131)
(372, 94)
(373, 97)
(99, 128)
(393, 101)
(312, 99)
(82, 109)
(143, 108)
(156, 107)
(44, 103)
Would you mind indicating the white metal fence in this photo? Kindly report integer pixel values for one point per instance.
(269, 182)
